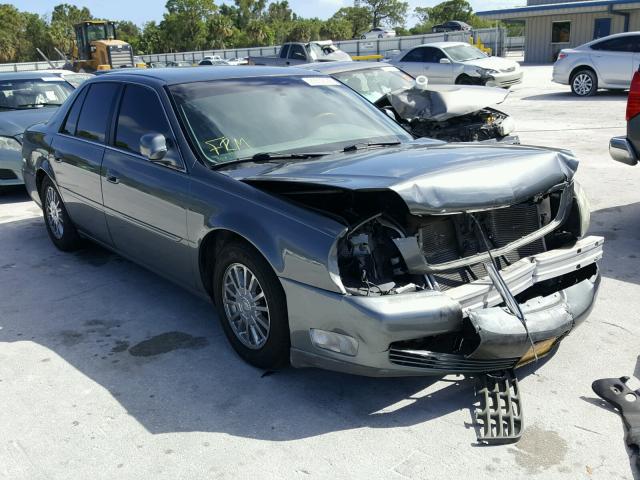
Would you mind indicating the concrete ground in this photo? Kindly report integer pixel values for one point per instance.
(108, 371)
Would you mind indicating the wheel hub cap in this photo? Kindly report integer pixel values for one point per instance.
(246, 306)
(54, 213)
(582, 84)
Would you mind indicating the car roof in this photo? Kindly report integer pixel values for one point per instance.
(26, 75)
(339, 67)
(441, 44)
(173, 76)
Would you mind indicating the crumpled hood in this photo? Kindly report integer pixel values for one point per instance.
(15, 122)
(435, 178)
(442, 102)
(495, 63)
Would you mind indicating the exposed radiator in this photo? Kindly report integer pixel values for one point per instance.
(452, 237)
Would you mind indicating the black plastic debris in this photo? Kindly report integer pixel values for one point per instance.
(498, 411)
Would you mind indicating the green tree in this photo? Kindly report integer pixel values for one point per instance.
(443, 12)
(359, 18)
(63, 18)
(259, 33)
(36, 35)
(151, 40)
(336, 29)
(220, 30)
(129, 32)
(387, 12)
(305, 30)
(12, 26)
(184, 25)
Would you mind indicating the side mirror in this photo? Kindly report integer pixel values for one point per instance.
(153, 146)
(445, 60)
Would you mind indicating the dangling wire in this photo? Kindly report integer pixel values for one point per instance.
(503, 288)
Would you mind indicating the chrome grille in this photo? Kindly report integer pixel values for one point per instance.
(447, 362)
(121, 56)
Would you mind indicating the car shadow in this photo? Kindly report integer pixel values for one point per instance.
(13, 194)
(161, 353)
(601, 96)
(620, 225)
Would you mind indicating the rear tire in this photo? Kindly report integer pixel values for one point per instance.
(60, 228)
(584, 83)
(252, 306)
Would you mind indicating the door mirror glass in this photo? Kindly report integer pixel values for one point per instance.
(153, 146)
(445, 60)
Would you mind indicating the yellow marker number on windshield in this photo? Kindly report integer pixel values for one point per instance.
(222, 145)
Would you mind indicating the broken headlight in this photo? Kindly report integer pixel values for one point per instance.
(10, 143)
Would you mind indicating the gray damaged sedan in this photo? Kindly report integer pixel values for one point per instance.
(325, 235)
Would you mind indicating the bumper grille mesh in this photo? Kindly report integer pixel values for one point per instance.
(447, 362)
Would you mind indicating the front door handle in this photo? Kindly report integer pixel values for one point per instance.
(112, 177)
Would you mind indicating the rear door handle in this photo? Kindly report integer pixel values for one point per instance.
(112, 177)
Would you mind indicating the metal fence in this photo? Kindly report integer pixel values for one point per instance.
(494, 38)
(28, 66)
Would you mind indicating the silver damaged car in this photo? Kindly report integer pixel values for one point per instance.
(325, 235)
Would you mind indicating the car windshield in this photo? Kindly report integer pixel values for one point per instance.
(463, 53)
(33, 93)
(76, 79)
(374, 83)
(235, 119)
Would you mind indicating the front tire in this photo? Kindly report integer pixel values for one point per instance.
(251, 305)
(60, 228)
(584, 83)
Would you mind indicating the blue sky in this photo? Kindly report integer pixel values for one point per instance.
(140, 11)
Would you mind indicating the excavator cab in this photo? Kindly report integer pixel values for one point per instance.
(97, 47)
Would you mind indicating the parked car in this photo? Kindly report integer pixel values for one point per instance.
(213, 60)
(156, 65)
(295, 53)
(74, 78)
(378, 32)
(625, 149)
(453, 113)
(324, 233)
(452, 26)
(459, 63)
(238, 61)
(179, 64)
(607, 62)
(25, 98)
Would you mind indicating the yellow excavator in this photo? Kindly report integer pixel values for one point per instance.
(96, 48)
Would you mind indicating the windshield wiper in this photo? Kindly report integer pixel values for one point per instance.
(40, 104)
(360, 146)
(265, 157)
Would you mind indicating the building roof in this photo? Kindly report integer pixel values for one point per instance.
(559, 8)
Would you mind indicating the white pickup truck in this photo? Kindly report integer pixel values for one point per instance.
(296, 53)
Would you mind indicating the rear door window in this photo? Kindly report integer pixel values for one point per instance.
(619, 44)
(96, 111)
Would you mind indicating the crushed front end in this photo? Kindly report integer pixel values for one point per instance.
(458, 291)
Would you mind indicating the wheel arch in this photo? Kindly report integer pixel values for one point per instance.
(211, 245)
(575, 70)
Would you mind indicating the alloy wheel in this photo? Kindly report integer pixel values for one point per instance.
(246, 306)
(53, 209)
(582, 84)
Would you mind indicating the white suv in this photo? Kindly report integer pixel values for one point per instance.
(607, 62)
